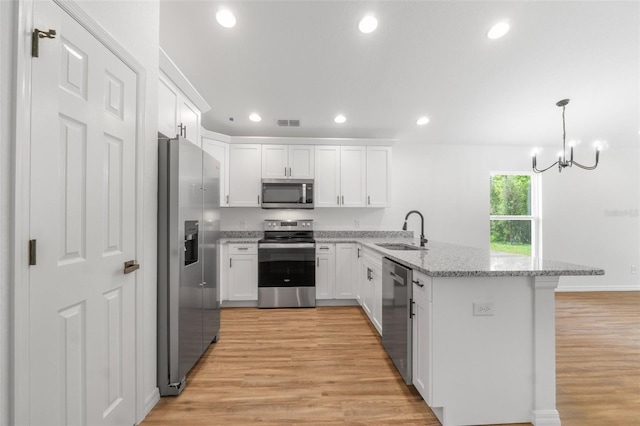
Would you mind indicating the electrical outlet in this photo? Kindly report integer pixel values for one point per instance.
(634, 269)
(482, 309)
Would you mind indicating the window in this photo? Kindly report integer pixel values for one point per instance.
(514, 213)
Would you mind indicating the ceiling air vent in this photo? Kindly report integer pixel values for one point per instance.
(289, 123)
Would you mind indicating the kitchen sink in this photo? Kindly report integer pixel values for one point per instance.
(399, 246)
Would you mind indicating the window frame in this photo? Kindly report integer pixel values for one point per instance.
(535, 216)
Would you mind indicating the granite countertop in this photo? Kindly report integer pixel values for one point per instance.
(452, 260)
(440, 259)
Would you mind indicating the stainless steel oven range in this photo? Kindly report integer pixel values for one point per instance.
(286, 265)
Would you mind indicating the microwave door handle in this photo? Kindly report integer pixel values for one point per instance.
(304, 193)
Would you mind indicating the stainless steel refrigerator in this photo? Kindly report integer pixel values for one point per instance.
(188, 237)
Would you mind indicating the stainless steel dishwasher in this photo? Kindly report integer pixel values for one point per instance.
(397, 294)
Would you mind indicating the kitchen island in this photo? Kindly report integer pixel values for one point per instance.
(484, 332)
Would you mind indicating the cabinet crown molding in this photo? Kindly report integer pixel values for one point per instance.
(169, 68)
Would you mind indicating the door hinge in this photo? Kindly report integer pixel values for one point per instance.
(36, 35)
(32, 252)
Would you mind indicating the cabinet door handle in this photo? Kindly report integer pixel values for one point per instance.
(418, 283)
(227, 199)
(337, 199)
(258, 200)
(411, 302)
(285, 172)
(243, 248)
(324, 248)
(358, 252)
(230, 262)
(369, 199)
(289, 171)
(343, 200)
(318, 262)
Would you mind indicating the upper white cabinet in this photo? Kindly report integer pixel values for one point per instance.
(177, 115)
(353, 175)
(220, 151)
(341, 176)
(288, 161)
(245, 176)
(378, 176)
(180, 106)
(327, 181)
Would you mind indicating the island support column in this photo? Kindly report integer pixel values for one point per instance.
(544, 347)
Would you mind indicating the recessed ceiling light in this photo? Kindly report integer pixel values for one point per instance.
(368, 24)
(255, 117)
(340, 119)
(498, 30)
(422, 121)
(226, 18)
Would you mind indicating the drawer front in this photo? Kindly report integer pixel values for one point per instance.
(325, 248)
(422, 284)
(243, 249)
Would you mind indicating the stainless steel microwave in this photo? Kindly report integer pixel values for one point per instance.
(287, 193)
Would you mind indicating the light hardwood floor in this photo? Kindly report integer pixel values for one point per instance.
(326, 366)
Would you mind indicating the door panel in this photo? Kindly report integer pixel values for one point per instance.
(82, 213)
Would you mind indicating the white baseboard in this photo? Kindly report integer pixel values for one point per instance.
(577, 288)
(151, 400)
(336, 302)
(545, 418)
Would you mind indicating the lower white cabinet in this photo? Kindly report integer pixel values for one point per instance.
(337, 271)
(422, 343)
(347, 271)
(242, 272)
(325, 271)
(371, 288)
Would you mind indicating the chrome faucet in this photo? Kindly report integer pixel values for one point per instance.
(423, 240)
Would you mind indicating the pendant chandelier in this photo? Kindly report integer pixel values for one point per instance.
(562, 156)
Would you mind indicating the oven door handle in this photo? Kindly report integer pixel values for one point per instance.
(285, 245)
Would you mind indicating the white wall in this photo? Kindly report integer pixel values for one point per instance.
(135, 25)
(450, 186)
(591, 218)
(7, 40)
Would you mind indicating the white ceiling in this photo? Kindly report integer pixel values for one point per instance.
(307, 60)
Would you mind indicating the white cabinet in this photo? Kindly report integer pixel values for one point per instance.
(245, 175)
(220, 151)
(347, 271)
(340, 176)
(359, 274)
(378, 176)
(177, 115)
(371, 293)
(327, 181)
(288, 161)
(325, 271)
(242, 272)
(353, 169)
(422, 344)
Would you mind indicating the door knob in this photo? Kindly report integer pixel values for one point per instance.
(130, 266)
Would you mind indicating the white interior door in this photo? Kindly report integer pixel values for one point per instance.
(81, 304)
